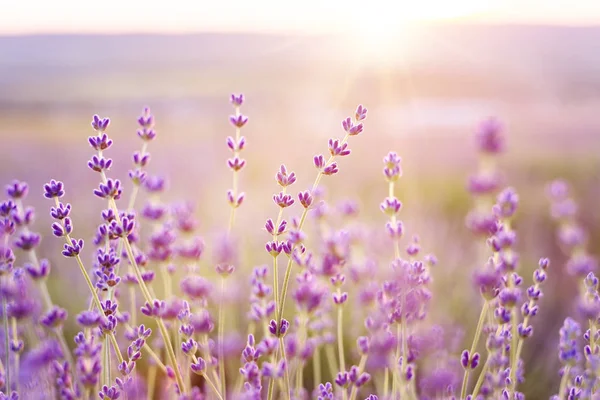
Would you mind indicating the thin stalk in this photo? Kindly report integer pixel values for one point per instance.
(221, 340)
(316, 364)
(271, 387)
(482, 315)
(44, 290)
(151, 382)
(6, 344)
(155, 357)
(132, 305)
(15, 335)
(236, 153)
(404, 348)
(361, 367)
(340, 337)
(288, 269)
(210, 383)
(287, 370)
(106, 363)
(386, 387)
(95, 297)
(207, 356)
(166, 278)
(213, 386)
(562, 390)
(148, 298)
(481, 378)
(299, 370)
(331, 363)
(395, 377)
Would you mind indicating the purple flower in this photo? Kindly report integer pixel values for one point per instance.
(319, 161)
(54, 317)
(73, 249)
(99, 164)
(40, 271)
(391, 206)
(342, 379)
(469, 361)
(238, 120)
(28, 241)
(336, 148)
(283, 200)
(283, 178)
(17, 190)
(107, 393)
(330, 169)
(568, 347)
(60, 229)
(123, 229)
(141, 159)
(361, 113)
(189, 347)
(54, 189)
(155, 309)
(198, 367)
(7, 208)
(489, 137)
(100, 142)
(392, 168)
(100, 124)
(281, 331)
(196, 287)
(235, 201)
(236, 163)
(89, 319)
(363, 345)
(236, 146)
(270, 227)
(146, 123)
(110, 189)
(60, 212)
(237, 100)
(506, 203)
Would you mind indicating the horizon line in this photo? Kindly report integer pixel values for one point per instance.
(285, 32)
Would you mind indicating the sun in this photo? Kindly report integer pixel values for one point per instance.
(378, 27)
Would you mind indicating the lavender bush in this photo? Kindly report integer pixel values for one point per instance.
(338, 310)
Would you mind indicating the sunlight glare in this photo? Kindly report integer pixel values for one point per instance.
(379, 27)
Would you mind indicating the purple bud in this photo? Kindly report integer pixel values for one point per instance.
(198, 367)
(238, 120)
(17, 190)
(54, 189)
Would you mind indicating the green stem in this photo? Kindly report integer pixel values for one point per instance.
(151, 381)
(562, 390)
(480, 379)
(340, 336)
(287, 370)
(15, 335)
(386, 387)
(221, 340)
(106, 364)
(148, 298)
(331, 363)
(6, 344)
(361, 367)
(316, 363)
(482, 315)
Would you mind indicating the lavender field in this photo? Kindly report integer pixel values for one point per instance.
(288, 216)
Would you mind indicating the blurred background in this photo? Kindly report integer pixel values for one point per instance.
(428, 72)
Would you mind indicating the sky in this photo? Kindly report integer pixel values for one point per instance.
(310, 16)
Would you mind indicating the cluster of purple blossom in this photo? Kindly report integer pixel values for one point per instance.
(328, 277)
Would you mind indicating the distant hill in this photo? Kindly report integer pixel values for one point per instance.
(440, 60)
